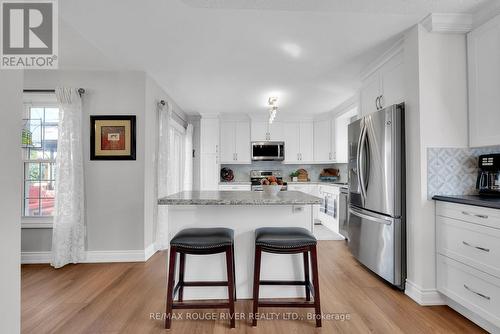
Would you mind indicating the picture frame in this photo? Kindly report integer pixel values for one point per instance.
(112, 137)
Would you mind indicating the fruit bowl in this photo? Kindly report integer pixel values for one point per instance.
(272, 190)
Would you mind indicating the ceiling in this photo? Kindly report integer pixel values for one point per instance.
(229, 56)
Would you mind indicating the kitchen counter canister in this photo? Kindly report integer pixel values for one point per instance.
(238, 198)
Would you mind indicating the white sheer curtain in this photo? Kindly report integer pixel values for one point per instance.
(68, 233)
(188, 158)
(163, 174)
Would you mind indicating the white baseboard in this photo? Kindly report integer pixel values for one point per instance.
(96, 256)
(115, 256)
(425, 297)
(35, 257)
(150, 251)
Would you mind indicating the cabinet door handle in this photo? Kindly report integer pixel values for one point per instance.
(477, 247)
(474, 215)
(477, 293)
(236, 154)
(376, 102)
(330, 156)
(380, 101)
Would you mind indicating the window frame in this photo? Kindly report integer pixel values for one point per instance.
(34, 100)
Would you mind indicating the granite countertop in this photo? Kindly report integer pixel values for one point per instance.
(330, 183)
(476, 200)
(335, 183)
(238, 198)
(234, 182)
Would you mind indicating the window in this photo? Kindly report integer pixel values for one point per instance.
(39, 144)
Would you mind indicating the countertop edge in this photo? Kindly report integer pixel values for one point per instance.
(467, 201)
(187, 203)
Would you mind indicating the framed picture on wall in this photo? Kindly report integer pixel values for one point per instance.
(112, 137)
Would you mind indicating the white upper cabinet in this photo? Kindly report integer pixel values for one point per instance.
(227, 148)
(235, 142)
(322, 141)
(330, 138)
(299, 141)
(383, 87)
(262, 131)
(292, 143)
(392, 81)
(209, 135)
(306, 144)
(242, 142)
(370, 93)
(484, 84)
(340, 135)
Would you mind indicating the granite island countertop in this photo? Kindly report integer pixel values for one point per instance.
(476, 200)
(238, 198)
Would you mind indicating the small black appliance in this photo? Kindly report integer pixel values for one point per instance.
(488, 179)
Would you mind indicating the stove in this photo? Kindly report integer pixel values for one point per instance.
(256, 177)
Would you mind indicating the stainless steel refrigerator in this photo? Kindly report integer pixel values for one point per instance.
(376, 224)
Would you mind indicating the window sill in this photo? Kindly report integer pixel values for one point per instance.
(36, 222)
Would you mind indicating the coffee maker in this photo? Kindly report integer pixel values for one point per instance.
(488, 179)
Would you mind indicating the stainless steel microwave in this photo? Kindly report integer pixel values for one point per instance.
(268, 151)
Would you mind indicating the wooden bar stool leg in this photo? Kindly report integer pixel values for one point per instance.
(234, 273)
(315, 275)
(182, 269)
(306, 275)
(256, 283)
(230, 284)
(170, 287)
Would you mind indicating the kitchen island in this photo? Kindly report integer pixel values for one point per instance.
(242, 211)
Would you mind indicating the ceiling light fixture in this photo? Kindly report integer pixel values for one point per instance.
(272, 101)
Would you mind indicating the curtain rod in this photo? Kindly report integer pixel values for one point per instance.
(81, 91)
(164, 103)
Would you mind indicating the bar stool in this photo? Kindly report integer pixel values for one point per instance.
(200, 241)
(287, 240)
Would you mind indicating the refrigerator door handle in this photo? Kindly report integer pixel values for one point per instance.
(379, 219)
(361, 172)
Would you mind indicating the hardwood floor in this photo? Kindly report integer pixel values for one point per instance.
(119, 298)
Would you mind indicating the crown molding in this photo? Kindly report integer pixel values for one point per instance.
(209, 115)
(448, 23)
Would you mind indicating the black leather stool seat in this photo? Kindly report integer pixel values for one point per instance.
(203, 238)
(284, 237)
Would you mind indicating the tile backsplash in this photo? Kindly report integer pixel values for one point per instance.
(242, 172)
(453, 171)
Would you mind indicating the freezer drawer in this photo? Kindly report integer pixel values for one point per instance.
(377, 241)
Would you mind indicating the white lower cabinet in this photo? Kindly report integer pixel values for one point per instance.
(234, 187)
(473, 289)
(468, 259)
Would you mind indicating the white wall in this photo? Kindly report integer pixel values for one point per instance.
(436, 116)
(114, 191)
(11, 85)
(120, 195)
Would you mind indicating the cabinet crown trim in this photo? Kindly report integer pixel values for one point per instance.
(448, 23)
